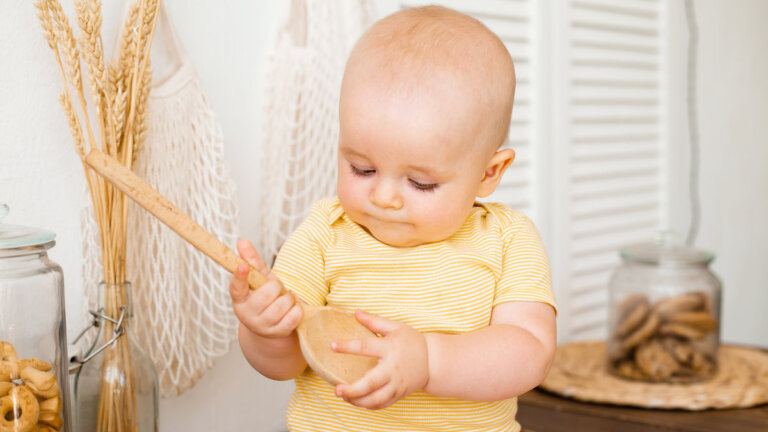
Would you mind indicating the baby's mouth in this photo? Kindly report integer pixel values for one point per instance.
(385, 219)
(389, 222)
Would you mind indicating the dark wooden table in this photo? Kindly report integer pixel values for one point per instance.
(539, 411)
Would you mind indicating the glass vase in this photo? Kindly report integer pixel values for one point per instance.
(116, 390)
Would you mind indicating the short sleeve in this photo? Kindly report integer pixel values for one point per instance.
(525, 267)
(300, 263)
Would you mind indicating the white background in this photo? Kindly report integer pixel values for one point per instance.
(228, 42)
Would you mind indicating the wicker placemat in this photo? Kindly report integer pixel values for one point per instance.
(579, 372)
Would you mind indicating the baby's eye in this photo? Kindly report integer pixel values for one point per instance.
(361, 172)
(423, 186)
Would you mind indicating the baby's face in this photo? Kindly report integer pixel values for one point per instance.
(409, 171)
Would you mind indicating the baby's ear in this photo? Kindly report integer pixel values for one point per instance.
(494, 170)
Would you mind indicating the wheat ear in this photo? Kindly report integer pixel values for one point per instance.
(148, 11)
(44, 15)
(65, 46)
(74, 124)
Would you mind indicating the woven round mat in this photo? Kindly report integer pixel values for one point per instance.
(579, 372)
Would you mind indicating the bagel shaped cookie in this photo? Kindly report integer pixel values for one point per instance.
(30, 397)
(9, 362)
(19, 411)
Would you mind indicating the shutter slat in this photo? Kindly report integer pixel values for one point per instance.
(607, 71)
(591, 325)
(584, 152)
(594, 264)
(522, 95)
(609, 242)
(590, 168)
(617, 138)
(592, 27)
(590, 301)
(595, 190)
(517, 174)
(587, 117)
(610, 113)
(608, 223)
(521, 115)
(616, 174)
(604, 130)
(636, 9)
(600, 45)
(615, 101)
(606, 89)
(612, 208)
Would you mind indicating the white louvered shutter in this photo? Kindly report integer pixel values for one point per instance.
(588, 132)
(611, 145)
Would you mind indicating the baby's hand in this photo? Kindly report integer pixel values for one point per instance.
(269, 311)
(402, 368)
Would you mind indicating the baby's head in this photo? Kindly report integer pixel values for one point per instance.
(426, 102)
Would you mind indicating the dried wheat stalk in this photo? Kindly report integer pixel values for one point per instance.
(119, 92)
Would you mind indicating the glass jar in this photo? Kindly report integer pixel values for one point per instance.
(34, 381)
(664, 313)
(116, 388)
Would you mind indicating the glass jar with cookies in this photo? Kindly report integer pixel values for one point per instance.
(34, 383)
(664, 313)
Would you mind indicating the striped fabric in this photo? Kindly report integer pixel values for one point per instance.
(449, 286)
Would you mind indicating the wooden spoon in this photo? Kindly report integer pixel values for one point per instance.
(319, 326)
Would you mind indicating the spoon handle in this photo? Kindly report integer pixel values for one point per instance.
(144, 195)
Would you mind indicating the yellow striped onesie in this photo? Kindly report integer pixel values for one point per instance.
(449, 286)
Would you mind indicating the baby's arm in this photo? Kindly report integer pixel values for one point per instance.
(506, 359)
(268, 319)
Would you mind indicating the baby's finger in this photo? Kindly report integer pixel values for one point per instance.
(238, 285)
(292, 319)
(371, 346)
(375, 323)
(380, 398)
(373, 380)
(278, 308)
(262, 298)
(249, 254)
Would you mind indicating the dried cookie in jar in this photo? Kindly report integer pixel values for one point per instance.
(655, 362)
(19, 410)
(30, 397)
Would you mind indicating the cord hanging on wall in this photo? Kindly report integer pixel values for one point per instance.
(693, 124)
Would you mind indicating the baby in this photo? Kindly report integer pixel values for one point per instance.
(459, 291)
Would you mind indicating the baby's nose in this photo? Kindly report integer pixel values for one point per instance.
(385, 194)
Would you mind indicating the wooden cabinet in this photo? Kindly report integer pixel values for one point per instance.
(539, 411)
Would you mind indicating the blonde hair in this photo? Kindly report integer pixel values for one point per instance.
(408, 47)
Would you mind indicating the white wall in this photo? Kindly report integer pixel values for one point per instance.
(41, 178)
(732, 112)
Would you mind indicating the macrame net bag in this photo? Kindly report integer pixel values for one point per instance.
(301, 116)
(182, 309)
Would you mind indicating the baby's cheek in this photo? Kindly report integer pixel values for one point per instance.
(434, 216)
(455, 213)
(349, 192)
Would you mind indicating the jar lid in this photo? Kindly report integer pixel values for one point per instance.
(666, 249)
(16, 236)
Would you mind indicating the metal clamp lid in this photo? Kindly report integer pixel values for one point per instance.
(77, 361)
